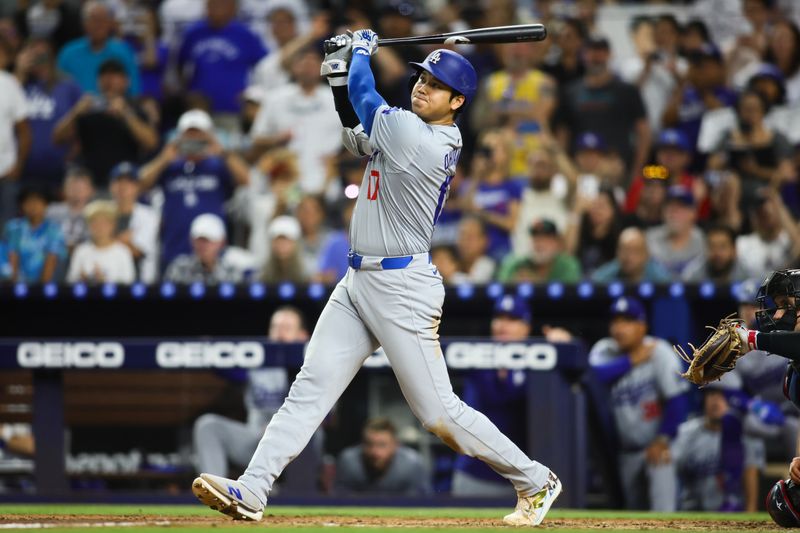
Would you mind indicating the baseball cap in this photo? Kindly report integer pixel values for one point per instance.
(673, 138)
(679, 193)
(630, 308)
(768, 70)
(195, 119)
(589, 140)
(254, 93)
(544, 227)
(284, 226)
(597, 42)
(110, 66)
(208, 226)
(512, 306)
(707, 51)
(125, 169)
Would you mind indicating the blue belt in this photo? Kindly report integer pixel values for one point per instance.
(387, 263)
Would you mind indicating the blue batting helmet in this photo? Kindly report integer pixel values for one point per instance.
(452, 69)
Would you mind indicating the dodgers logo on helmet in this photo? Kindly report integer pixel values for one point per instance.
(452, 69)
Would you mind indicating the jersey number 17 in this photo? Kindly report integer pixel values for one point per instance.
(373, 184)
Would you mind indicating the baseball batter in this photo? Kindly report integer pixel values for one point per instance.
(391, 295)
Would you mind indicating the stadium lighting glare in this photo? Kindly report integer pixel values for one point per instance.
(197, 289)
(465, 291)
(257, 291)
(351, 191)
(20, 290)
(138, 290)
(646, 289)
(227, 290)
(555, 290)
(676, 290)
(79, 290)
(525, 290)
(109, 290)
(616, 289)
(50, 290)
(707, 290)
(167, 290)
(316, 291)
(286, 291)
(585, 290)
(494, 290)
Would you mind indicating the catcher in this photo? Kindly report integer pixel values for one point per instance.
(779, 334)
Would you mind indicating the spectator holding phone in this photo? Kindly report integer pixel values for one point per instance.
(196, 176)
(107, 128)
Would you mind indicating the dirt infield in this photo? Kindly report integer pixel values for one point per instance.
(284, 521)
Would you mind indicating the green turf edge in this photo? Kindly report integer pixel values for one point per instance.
(419, 512)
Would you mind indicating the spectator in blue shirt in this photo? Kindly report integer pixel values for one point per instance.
(82, 57)
(216, 56)
(35, 243)
(633, 263)
(49, 98)
(196, 175)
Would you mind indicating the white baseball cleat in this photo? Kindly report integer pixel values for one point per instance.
(227, 496)
(530, 510)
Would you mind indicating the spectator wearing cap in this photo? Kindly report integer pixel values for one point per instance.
(548, 262)
(35, 244)
(594, 167)
(82, 57)
(137, 224)
(49, 97)
(15, 133)
(216, 55)
(678, 241)
(720, 263)
(196, 175)
(601, 103)
(775, 240)
(108, 127)
(301, 116)
(673, 155)
(211, 261)
(102, 259)
(520, 97)
(632, 263)
(704, 90)
(58, 21)
(491, 195)
(501, 395)
(77, 192)
(285, 262)
(656, 69)
(648, 402)
(768, 80)
(755, 152)
(273, 71)
(568, 66)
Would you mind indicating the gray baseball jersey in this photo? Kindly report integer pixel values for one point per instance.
(696, 453)
(762, 376)
(405, 185)
(637, 396)
(403, 190)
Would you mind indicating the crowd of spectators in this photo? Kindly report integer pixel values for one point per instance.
(143, 140)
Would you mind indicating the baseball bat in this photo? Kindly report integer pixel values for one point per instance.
(497, 34)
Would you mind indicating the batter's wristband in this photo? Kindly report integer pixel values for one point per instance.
(752, 341)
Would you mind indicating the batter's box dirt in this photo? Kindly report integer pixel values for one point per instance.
(283, 521)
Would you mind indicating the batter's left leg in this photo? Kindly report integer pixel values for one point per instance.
(405, 319)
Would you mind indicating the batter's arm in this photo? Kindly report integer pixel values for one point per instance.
(362, 93)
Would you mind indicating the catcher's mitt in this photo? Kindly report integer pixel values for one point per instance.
(717, 355)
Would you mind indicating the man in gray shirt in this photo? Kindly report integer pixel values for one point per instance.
(677, 241)
(380, 465)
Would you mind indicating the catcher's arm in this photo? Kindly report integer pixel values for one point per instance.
(783, 343)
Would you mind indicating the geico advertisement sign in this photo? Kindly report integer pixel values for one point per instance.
(209, 355)
(497, 355)
(70, 355)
